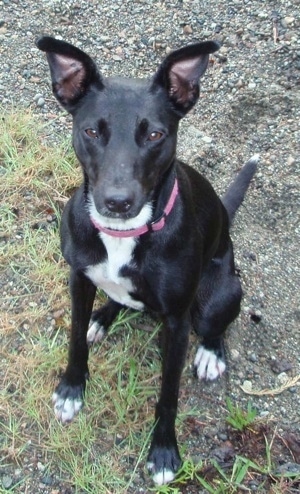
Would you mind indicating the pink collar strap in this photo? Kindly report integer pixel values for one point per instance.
(149, 227)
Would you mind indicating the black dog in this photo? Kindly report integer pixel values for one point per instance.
(145, 227)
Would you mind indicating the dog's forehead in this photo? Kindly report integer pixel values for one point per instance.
(126, 98)
(126, 94)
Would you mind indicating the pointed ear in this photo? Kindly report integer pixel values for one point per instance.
(180, 72)
(72, 71)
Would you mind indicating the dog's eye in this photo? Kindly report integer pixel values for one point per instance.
(92, 133)
(155, 136)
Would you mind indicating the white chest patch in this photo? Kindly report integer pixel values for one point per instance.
(106, 275)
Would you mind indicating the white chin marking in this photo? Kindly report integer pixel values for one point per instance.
(163, 477)
(208, 365)
(95, 333)
(121, 224)
(66, 409)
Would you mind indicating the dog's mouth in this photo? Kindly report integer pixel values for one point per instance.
(120, 220)
(117, 216)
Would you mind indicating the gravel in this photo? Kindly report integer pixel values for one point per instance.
(250, 103)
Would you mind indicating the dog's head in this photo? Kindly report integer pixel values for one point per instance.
(124, 130)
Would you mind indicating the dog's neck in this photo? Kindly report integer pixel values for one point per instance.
(149, 226)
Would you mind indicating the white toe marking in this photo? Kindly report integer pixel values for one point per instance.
(65, 409)
(163, 477)
(208, 365)
(95, 333)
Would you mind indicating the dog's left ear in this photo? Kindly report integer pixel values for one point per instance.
(180, 72)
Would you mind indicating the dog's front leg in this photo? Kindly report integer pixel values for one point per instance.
(164, 459)
(68, 396)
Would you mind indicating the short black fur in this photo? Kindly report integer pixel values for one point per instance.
(124, 135)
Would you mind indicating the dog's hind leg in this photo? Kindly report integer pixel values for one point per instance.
(216, 305)
(101, 320)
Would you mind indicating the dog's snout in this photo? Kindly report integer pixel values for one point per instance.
(118, 203)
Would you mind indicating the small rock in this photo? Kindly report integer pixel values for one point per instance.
(41, 467)
(187, 29)
(119, 51)
(282, 378)
(40, 102)
(281, 365)
(37, 97)
(7, 481)
(289, 20)
(58, 313)
(247, 385)
(235, 354)
(290, 161)
(253, 357)
(255, 316)
(207, 139)
(47, 480)
(289, 467)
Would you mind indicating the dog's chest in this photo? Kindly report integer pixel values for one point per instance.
(106, 275)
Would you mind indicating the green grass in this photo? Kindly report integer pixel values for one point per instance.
(238, 418)
(104, 450)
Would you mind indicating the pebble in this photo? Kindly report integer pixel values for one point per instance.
(289, 20)
(37, 97)
(40, 102)
(47, 480)
(207, 139)
(247, 384)
(290, 160)
(40, 466)
(253, 357)
(188, 29)
(7, 481)
(282, 378)
(235, 354)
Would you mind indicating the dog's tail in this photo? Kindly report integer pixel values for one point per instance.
(234, 196)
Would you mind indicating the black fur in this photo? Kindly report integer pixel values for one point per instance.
(124, 135)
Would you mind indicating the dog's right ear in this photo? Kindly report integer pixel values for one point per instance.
(72, 71)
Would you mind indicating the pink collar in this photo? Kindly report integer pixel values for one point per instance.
(149, 227)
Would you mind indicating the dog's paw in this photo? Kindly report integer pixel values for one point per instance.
(65, 409)
(96, 332)
(162, 464)
(67, 400)
(160, 478)
(207, 365)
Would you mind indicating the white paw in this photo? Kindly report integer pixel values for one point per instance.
(65, 409)
(163, 477)
(95, 333)
(208, 365)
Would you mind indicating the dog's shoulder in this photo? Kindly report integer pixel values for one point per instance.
(79, 238)
(196, 189)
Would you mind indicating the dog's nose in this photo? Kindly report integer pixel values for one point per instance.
(118, 203)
